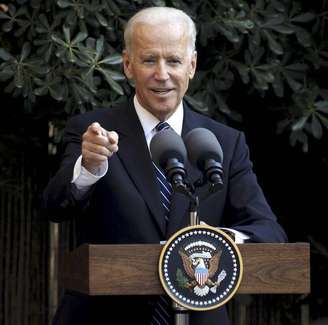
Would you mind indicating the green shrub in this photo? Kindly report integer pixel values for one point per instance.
(68, 52)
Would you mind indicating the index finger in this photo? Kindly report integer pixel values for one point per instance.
(97, 129)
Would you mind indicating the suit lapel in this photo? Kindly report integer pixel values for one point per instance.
(134, 155)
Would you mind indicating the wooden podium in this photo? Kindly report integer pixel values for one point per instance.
(133, 269)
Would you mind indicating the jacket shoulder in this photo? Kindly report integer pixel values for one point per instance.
(82, 121)
(218, 128)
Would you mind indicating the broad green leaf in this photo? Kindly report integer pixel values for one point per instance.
(299, 136)
(274, 46)
(112, 59)
(7, 26)
(297, 67)
(83, 92)
(67, 34)
(6, 75)
(64, 4)
(99, 47)
(58, 40)
(243, 71)
(116, 75)
(71, 57)
(316, 127)
(102, 20)
(71, 19)
(299, 124)
(41, 91)
(44, 20)
(24, 26)
(322, 106)
(88, 80)
(26, 50)
(260, 80)
(303, 37)
(229, 34)
(114, 8)
(159, 3)
(111, 82)
(283, 29)
(56, 91)
(303, 18)
(48, 53)
(60, 53)
(77, 98)
(79, 38)
(19, 78)
(292, 82)
(279, 6)
(4, 16)
(39, 82)
(4, 55)
(12, 10)
(323, 120)
(278, 86)
(275, 20)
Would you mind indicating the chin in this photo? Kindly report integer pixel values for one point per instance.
(162, 113)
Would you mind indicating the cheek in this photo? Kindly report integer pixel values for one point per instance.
(184, 83)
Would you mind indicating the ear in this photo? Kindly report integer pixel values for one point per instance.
(127, 65)
(193, 65)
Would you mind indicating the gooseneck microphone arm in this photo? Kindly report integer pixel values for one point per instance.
(176, 173)
(213, 173)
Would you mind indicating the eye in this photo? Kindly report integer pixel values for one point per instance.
(149, 61)
(174, 61)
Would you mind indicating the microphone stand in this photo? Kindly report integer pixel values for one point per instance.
(181, 314)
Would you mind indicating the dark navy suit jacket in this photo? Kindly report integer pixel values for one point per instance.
(124, 206)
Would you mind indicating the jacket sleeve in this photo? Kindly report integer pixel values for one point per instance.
(59, 203)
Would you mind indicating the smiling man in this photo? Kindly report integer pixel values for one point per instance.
(108, 183)
(160, 57)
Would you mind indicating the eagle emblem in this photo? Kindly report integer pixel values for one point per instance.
(200, 262)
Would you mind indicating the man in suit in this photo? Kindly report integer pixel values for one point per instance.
(107, 180)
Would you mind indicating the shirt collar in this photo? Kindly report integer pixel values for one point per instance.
(149, 121)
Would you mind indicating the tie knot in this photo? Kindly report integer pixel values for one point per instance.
(162, 126)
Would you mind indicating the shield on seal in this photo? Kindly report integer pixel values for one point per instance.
(201, 273)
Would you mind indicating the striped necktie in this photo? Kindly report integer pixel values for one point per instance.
(163, 313)
(164, 184)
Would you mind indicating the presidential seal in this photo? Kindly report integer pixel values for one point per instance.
(200, 267)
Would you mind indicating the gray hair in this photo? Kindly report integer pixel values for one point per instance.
(158, 15)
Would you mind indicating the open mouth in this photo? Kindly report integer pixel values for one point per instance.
(161, 91)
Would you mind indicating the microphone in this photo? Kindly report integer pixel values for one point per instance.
(205, 152)
(169, 152)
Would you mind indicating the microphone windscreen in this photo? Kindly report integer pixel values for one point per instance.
(202, 145)
(165, 145)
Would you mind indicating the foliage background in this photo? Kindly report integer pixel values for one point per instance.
(261, 68)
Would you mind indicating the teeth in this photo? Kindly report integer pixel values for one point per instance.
(161, 91)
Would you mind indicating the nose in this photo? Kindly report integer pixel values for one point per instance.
(161, 72)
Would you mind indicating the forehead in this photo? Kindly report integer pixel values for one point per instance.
(165, 35)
